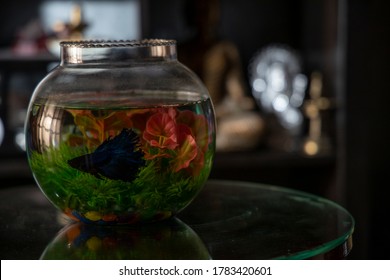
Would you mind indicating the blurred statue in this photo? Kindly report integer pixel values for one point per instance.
(74, 29)
(279, 88)
(67, 31)
(217, 62)
(316, 142)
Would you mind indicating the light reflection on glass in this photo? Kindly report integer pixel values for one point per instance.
(75, 55)
(49, 127)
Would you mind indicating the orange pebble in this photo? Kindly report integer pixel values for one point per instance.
(73, 233)
(68, 212)
(109, 217)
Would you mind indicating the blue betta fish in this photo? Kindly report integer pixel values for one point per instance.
(117, 158)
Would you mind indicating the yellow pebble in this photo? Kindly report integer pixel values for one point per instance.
(94, 243)
(93, 216)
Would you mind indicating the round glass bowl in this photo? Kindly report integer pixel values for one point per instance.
(120, 132)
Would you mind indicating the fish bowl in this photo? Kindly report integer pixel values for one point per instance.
(120, 132)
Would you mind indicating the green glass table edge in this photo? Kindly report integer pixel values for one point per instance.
(322, 249)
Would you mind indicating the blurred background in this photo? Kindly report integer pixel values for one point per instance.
(299, 87)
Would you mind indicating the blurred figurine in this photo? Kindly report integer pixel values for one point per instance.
(279, 89)
(317, 142)
(72, 30)
(217, 63)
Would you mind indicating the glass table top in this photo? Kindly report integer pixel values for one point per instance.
(228, 220)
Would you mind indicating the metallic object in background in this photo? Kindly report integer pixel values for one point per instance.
(278, 85)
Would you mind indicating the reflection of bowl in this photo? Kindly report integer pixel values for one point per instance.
(167, 240)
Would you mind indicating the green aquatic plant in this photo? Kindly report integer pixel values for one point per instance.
(124, 165)
(154, 191)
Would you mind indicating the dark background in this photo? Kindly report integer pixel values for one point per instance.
(346, 40)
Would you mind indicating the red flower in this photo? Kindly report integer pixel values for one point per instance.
(181, 136)
(198, 125)
(187, 149)
(161, 131)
